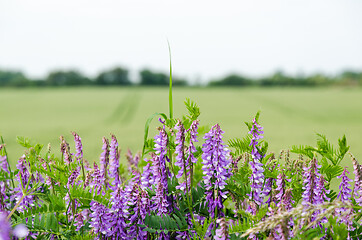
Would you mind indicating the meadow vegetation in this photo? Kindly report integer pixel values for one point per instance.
(189, 181)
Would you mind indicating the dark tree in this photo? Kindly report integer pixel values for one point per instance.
(232, 80)
(13, 78)
(151, 78)
(66, 78)
(115, 76)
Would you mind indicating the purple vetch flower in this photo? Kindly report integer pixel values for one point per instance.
(185, 155)
(3, 196)
(180, 148)
(4, 164)
(78, 146)
(284, 203)
(345, 187)
(159, 169)
(280, 188)
(116, 219)
(287, 200)
(314, 187)
(191, 159)
(311, 180)
(280, 197)
(146, 177)
(73, 177)
(345, 195)
(216, 169)
(132, 160)
(98, 180)
(357, 170)
(139, 203)
(256, 131)
(160, 203)
(104, 158)
(65, 150)
(114, 161)
(257, 176)
(98, 217)
(3, 184)
(322, 191)
(267, 191)
(180, 156)
(80, 218)
(5, 227)
(25, 180)
(222, 232)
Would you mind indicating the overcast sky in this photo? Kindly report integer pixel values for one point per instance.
(208, 38)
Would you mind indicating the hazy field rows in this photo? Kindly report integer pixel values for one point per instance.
(289, 116)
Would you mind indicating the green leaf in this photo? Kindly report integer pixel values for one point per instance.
(147, 126)
(23, 141)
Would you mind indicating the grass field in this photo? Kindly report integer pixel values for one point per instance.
(289, 115)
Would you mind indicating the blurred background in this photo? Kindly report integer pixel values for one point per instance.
(100, 67)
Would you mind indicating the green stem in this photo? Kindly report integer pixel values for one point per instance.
(82, 169)
(170, 90)
(16, 206)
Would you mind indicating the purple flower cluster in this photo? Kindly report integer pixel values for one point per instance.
(216, 161)
(314, 189)
(185, 155)
(4, 163)
(357, 171)
(114, 162)
(222, 232)
(78, 146)
(345, 196)
(65, 150)
(159, 170)
(180, 149)
(257, 177)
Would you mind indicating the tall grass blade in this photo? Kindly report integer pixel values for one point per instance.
(170, 90)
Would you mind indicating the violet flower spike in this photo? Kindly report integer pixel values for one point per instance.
(65, 150)
(4, 164)
(345, 187)
(114, 161)
(98, 217)
(146, 176)
(222, 233)
(98, 179)
(357, 171)
(345, 195)
(311, 179)
(257, 177)
(216, 169)
(78, 146)
(116, 219)
(160, 201)
(160, 172)
(104, 158)
(181, 157)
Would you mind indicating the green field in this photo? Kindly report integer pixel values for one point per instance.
(289, 115)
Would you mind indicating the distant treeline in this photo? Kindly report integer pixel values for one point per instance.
(119, 76)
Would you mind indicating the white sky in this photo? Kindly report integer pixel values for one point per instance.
(208, 38)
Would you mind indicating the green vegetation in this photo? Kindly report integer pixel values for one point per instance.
(291, 116)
